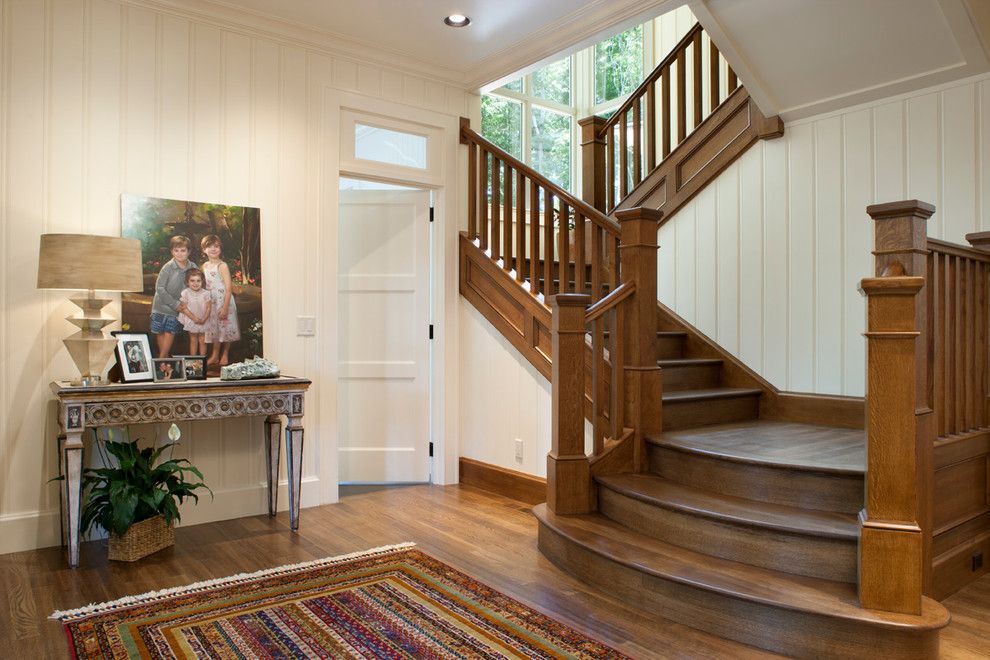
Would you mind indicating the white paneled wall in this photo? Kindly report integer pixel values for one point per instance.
(101, 97)
(767, 260)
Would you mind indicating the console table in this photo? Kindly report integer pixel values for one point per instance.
(118, 404)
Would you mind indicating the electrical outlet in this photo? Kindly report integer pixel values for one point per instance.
(305, 326)
(519, 449)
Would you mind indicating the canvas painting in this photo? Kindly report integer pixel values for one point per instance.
(202, 278)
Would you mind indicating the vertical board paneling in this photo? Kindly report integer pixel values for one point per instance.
(923, 155)
(983, 114)
(801, 259)
(751, 240)
(175, 107)
(705, 267)
(667, 264)
(958, 162)
(889, 148)
(857, 242)
(103, 105)
(727, 250)
(828, 291)
(775, 270)
(65, 115)
(140, 110)
(686, 292)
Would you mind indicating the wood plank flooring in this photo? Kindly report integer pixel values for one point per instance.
(489, 537)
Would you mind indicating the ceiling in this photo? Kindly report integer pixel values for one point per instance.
(504, 36)
(803, 57)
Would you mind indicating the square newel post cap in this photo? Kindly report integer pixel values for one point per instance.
(979, 240)
(905, 208)
(570, 300)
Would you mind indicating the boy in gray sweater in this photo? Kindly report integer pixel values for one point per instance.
(166, 306)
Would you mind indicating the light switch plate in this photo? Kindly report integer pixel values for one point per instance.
(305, 326)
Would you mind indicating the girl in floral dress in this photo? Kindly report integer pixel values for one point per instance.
(195, 317)
(222, 328)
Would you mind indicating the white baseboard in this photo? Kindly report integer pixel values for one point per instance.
(41, 529)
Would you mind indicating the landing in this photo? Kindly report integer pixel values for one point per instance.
(777, 443)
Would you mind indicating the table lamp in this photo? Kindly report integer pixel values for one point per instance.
(90, 263)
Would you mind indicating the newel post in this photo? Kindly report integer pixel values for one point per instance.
(638, 264)
(593, 161)
(568, 468)
(895, 537)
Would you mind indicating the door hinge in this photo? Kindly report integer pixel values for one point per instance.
(431, 214)
(431, 331)
(431, 450)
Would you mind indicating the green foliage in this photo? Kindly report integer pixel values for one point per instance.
(514, 85)
(137, 489)
(553, 82)
(618, 64)
(550, 146)
(501, 123)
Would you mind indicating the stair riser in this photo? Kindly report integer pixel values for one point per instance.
(670, 348)
(791, 487)
(797, 634)
(690, 414)
(693, 377)
(801, 554)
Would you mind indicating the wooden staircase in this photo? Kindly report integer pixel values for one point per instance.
(709, 497)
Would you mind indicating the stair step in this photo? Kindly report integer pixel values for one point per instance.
(691, 408)
(801, 541)
(789, 614)
(690, 373)
(800, 465)
(670, 344)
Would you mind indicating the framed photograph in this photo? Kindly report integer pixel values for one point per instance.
(195, 366)
(169, 370)
(134, 356)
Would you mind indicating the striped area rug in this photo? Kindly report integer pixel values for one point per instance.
(393, 602)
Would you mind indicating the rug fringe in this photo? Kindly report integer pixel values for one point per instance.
(151, 596)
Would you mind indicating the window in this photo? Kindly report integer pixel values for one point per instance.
(501, 123)
(388, 146)
(618, 65)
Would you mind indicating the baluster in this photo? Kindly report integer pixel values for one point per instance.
(580, 274)
(617, 405)
(534, 238)
(596, 262)
(651, 127)
(472, 191)
(982, 306)
(950, 352)
(665, 112)
(521, 227)
(623, 156)
(733, 81)
(937, 324)
(495, 242)
(696, 65)
(636, 167)
(598, 391)
(960, 352)
(548, 260)
(968, 316)
(610, 169)
(507, 221)
(713, 76)
(681, 96)
(563, 247)
(483, 206)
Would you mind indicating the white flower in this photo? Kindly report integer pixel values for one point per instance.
(174, 433)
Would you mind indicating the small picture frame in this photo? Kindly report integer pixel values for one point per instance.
(134, 356)
(169, 370)
(195, 366)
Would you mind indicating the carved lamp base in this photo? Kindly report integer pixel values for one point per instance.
(90, 348)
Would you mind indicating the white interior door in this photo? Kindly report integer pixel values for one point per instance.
(383, 401)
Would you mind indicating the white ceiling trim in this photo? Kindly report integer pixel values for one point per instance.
(225, 16)
(570, 33)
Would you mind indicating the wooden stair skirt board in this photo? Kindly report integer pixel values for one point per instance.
(794, 615)
(503, 481)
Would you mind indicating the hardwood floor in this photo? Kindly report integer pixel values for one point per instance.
(490, 537)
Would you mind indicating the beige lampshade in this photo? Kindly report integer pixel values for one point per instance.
(84, 261)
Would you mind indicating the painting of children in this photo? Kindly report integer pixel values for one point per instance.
(195, 315)
(222, 243)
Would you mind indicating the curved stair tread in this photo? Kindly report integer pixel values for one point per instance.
(689, 362)
(773, 443)
(604, 537)
(710, 394)
(657, 491)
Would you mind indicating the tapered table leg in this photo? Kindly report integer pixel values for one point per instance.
(293, 454)
(273, 447)
(71, 458)
(63, 500)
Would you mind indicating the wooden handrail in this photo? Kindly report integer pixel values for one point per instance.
(469, 136)
(640, 91)
(609, 302)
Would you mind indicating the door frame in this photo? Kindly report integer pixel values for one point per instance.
(446, 183)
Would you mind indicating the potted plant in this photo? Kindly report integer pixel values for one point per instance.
(137, 500)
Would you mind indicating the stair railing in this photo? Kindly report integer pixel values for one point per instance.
(621, 151)
(547, 239)
(927, 372)
(625, 382)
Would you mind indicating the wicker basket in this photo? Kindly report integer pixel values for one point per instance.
(142, 539)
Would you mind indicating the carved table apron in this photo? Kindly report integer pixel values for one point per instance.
(118, 404)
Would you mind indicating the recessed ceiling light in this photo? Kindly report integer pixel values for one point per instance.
(457, 20)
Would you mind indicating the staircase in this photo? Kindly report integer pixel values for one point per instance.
(709, 497)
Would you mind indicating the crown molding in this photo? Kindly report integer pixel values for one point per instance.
(227, 16)
(572, 32)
